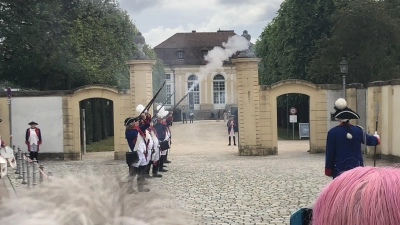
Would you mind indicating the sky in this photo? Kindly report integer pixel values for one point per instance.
(160, 19)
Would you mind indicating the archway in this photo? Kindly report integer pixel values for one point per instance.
(97, 125)
(317, 110)
(293, 122)
(95, 92)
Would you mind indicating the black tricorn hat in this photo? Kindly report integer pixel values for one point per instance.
(31, 123)
(130, 120)
(343, 112)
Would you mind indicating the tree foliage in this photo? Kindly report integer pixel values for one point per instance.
(64, 44)
(307, 40)
(287, 44)
(158, 75)
(367, 34)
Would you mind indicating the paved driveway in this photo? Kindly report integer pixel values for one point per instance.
(216, 186)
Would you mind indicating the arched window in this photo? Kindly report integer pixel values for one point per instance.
(193, 86)
(219, 89)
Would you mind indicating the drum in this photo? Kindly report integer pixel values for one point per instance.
(164, 145)
(8, 154)
(3, 167)
(132, 157)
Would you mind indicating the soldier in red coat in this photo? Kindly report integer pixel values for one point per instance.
(33, 138)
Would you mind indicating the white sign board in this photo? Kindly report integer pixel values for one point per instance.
(293, 118)
(304, 130)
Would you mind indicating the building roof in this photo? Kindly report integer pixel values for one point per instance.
(192, 44)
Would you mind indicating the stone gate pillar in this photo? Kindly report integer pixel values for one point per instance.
(248, 92)
(141, 82)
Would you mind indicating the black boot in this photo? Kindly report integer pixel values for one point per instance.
(234, 141)
(133, 171)
(166, 158)
(155, 170)
(229, 141)
(147, 170)
(160, 168)
(141, 181)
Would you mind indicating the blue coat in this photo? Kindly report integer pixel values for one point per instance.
(344, 154)
(160, 128)
(131, 135)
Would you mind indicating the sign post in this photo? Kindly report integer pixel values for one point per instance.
(9, 111)
(293, 117)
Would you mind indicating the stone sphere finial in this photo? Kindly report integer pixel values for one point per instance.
(140, 42)
(246, 35)
(246, 53)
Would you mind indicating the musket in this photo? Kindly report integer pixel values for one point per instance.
(177, 104)
(152, 100)
(165, 102)
(376, 129)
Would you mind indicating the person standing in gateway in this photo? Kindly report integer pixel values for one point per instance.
(33, 138)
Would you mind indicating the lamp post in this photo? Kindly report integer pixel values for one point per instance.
(344, 69)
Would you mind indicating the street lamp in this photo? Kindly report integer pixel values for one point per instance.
(344, 69)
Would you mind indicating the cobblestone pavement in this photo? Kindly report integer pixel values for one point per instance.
(216, 186)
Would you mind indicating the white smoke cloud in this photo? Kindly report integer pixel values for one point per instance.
(216, 57)
(90, 200)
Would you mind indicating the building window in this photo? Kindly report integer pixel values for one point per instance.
(168, 92)
(180, 54)
(193, 86)
(168, 76)
(219, 89)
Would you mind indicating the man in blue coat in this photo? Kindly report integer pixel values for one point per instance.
(343, 143)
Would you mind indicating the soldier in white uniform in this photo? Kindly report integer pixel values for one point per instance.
(154, 151)
(136, 137)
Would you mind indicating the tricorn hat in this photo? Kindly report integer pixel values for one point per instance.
(346, 114)
(343, 112)
(31, 123)
(129, 120)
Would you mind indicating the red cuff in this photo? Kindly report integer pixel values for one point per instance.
(328, 172)
(379, 140)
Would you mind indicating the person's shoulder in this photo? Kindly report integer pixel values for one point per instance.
(334, 129)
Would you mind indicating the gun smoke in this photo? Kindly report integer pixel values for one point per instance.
(89, 200)
(216, 57)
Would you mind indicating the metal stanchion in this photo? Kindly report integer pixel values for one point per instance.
(16, 159)
(20, 160)
(28, 171)
(41, 167)
(34, 167)
(23, 166)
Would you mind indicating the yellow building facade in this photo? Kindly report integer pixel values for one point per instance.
(214, 91)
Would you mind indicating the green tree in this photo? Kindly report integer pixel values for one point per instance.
(367, 34)
(287, 44)
(60, 44)
(158, 75)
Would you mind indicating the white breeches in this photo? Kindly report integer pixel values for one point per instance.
(142, 160)
(232, 133)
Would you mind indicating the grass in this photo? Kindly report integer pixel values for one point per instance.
(106, 145)
(282, 134)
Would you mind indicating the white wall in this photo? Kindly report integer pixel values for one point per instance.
(47, 112)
